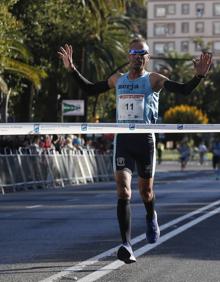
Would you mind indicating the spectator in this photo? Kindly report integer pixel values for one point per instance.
(216, 157)
(184, 151)
(46, 142)
(202, 151)
(57, 142)
(160, 149)
(35, 145)
(89, 144)
(69, 143)
(78, 143)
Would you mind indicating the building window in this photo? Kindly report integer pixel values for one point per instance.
(216, 28)
(199, 27)
(161, 67)
(160, 11)
(161, 48)
(185, 27)
(164, 29)
(185, 9)
(171, 9)
(200, 9)
(216, 47)
(159, 29)
(216, 9)
(198, 46)
(170, 28)
(163, 10)
(184, 46)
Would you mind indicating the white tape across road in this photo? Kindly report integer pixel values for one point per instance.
(116, 264)
(102, 128)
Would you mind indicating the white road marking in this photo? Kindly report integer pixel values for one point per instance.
(33, 207)
(80, 266)
(116, 264)
(72, 200)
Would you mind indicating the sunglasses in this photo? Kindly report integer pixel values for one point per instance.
(138, 52)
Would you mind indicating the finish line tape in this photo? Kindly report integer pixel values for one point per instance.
(102, 128)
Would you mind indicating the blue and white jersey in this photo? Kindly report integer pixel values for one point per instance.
(136, 102)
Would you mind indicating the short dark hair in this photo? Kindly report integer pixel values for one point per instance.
(138, 40)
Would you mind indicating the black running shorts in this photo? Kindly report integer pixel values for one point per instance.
(131, 149)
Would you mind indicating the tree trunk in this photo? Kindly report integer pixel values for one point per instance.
(26, 103)
(82, 95)
(3, 102)
(95, 107)
(4, 99)
(51, 114)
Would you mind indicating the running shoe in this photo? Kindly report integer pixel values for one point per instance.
(126, 254)
(153, 230)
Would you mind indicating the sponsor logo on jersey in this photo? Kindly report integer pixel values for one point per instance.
(128, 86)
(120, 161)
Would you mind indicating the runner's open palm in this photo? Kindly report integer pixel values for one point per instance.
(203, 64)
(66, 54)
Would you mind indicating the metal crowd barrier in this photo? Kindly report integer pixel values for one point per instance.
(25, 169)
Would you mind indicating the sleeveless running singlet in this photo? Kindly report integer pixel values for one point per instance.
(136, 101)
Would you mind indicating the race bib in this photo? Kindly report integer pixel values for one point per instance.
(131, 107)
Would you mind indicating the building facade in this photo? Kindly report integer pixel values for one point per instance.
(186, 26)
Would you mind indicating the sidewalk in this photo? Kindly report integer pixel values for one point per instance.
(175, 166)
(171, 169)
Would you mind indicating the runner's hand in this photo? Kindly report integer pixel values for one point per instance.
(203, 64)
(66, 54)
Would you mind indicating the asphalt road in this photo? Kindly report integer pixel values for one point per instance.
(72, 234)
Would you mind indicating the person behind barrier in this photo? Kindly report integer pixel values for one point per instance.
(202, 149)
(35, 147)
(185, 152)
(78, 142)
(216, 157)
(69, 144)
(137, 99)
(160, 149)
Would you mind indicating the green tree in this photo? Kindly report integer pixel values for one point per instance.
(180, 69)
(205, 94)
(137, 12)
(98, 31)
(211, 98)
(185, 114)
(14, 57)
(204, 47)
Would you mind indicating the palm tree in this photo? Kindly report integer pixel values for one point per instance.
(104, 50)
(12, 63)
(180, 68)
(14, 58)
(95, 30)
(180, 65)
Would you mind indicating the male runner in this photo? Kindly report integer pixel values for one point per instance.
(137, 97)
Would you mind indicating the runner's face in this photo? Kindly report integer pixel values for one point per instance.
(138, 62)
